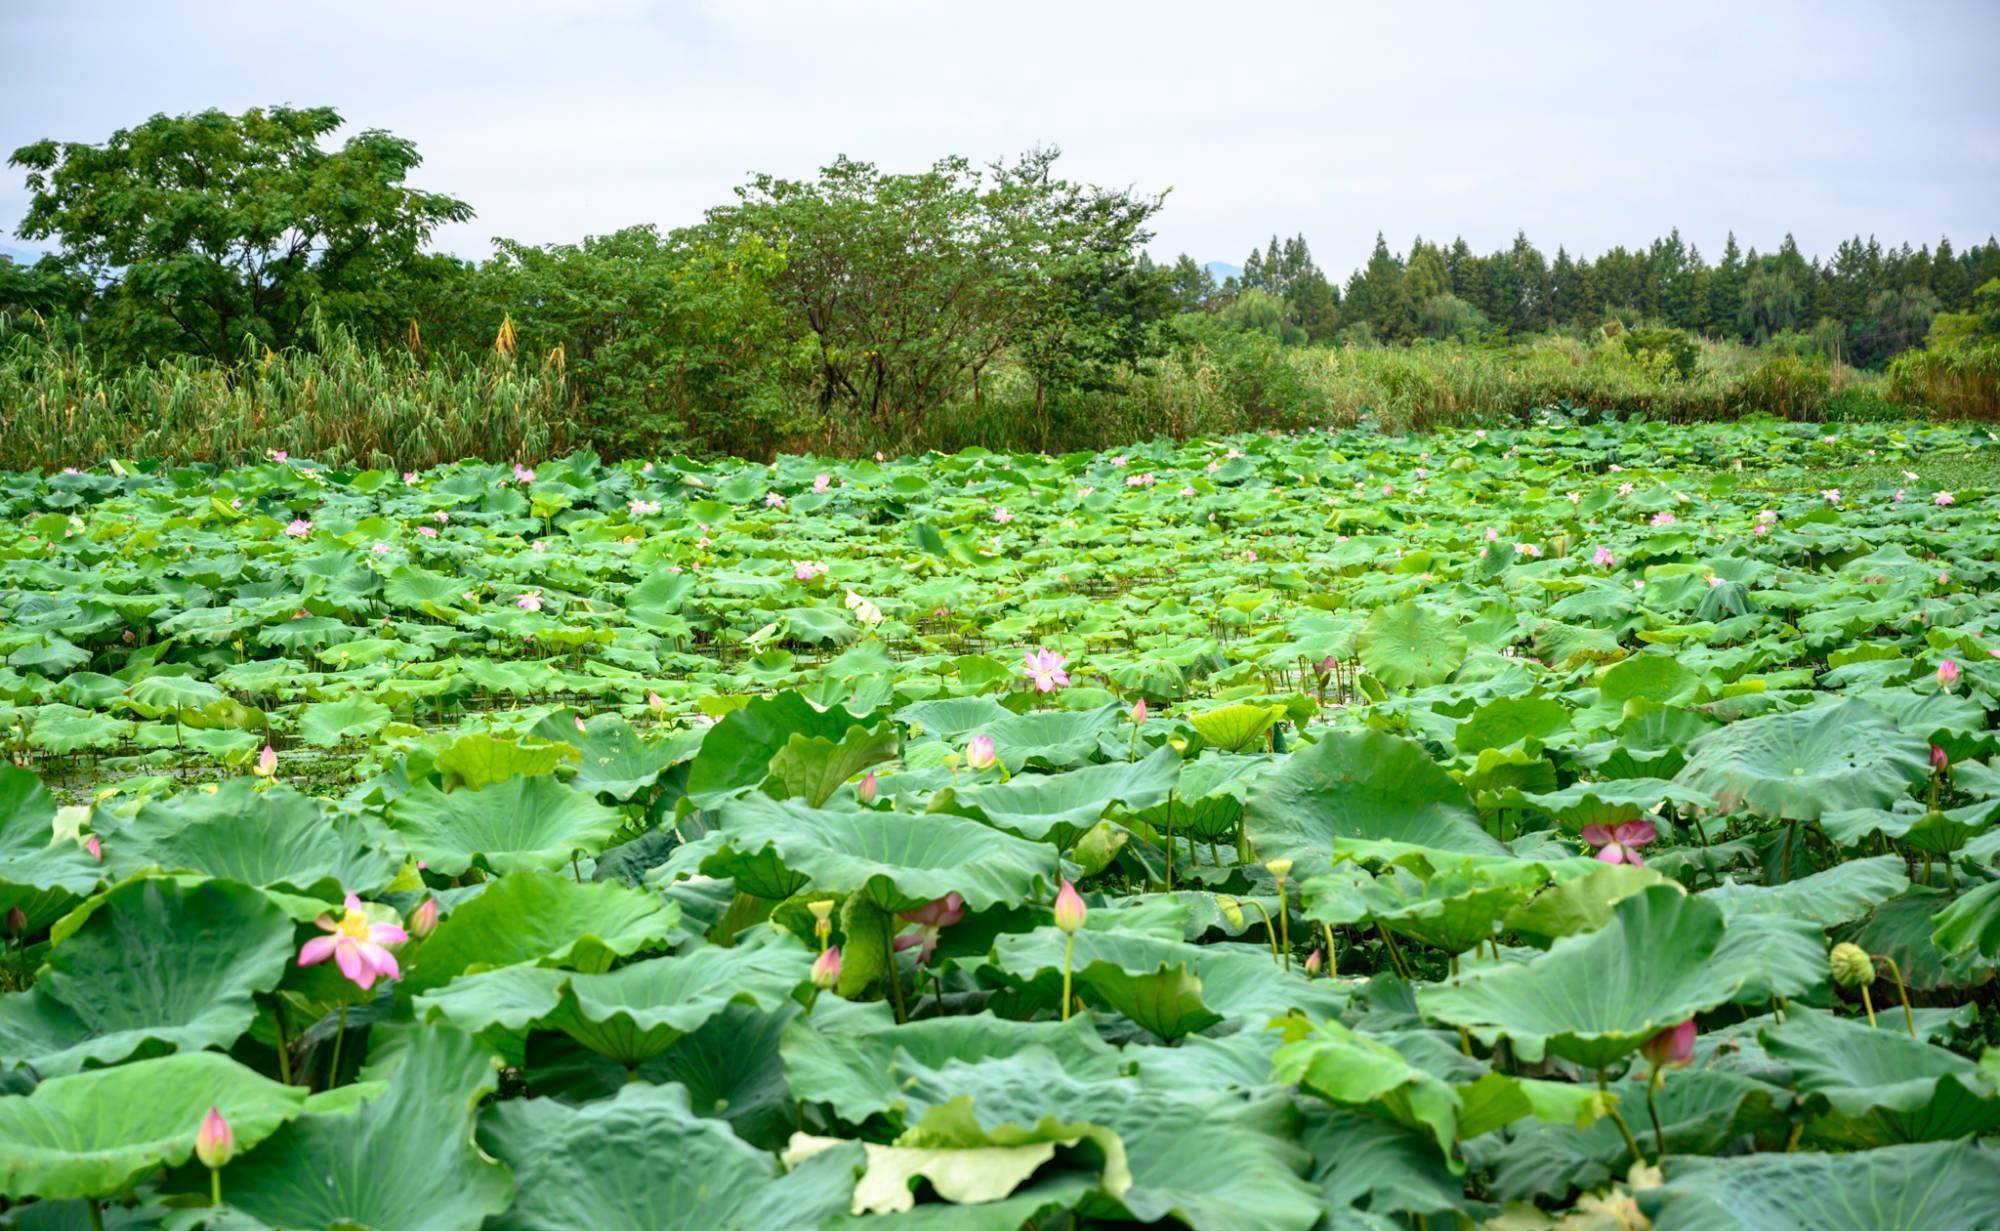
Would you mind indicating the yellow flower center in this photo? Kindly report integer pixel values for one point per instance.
(353, 926)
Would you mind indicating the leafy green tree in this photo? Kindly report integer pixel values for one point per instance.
(212, 233)
(1773, 301)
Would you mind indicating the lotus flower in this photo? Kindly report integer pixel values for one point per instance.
(299, 528)
(95, 847)
(1663, 519)
(930, 918)
(267, 762)
(523, 474)
(357, 945)
(868, 789)
(531, 601)
(981, 752)
(1670, 1048)
(826, 969)
(772, 500)
(1070, 910)
(1002, 516)
(1045, 668)
(1621, 842)
(1139, 712)
(1947, 674)
(424, 919)
(821, 482)
(1313, 962)
(214, 1141)
(1604, 558)
(17, 921)
(1942, 499)
(279, 455)
(1940, 760)
(806, 570)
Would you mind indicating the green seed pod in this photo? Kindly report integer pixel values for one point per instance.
(1851, 966)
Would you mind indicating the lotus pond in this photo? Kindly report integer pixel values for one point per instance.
(1587, 825)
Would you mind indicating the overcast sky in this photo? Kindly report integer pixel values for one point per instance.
(1586, 124)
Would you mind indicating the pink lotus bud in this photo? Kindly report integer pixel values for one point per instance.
(1940, 762)
(826, 969)
(1313, 963)
(267, 762)
(1070, 910)
(1139, 712)
(17, 921)
(1947, 674)
(214, 1142)
(1671, 1048)
(868, 789)
(95, 848)
(424, 919)
(981, 751)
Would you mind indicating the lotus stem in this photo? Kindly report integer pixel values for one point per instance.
(889, 968)
(1170, 841)
(1902, 990)
(96, 1214)
(1868, 1003)
(1069, 955)
(1270, 929)
(1654, 1081)
(215, 1186)
(1624, 1131)
(1395, 954)
(284, 1039)
(1332, 956)
(339, 1036)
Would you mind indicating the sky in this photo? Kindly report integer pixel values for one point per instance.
(1584, 124)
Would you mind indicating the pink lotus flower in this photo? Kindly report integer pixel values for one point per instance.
(806, 570)
(1670, 1048)
(826, 968)
(1940, 759)
(1942, 499)
(1070, 910)
(267, 762)
(1663, 519)
(531, 601)
(930, 918)
(1947, 674)
(821, 482)
(1002, 516)
(356, 945)
(279, 455)
(300, 528)
(523, 474)
(427, 532)
(1139, 712)
(214, 1141)
(1313, 963)
(868, 790)
(1604, 558)
(1831, 495)
(409, 476)
(773, 500)
(424, 919)
(981, 752)
(1527, 549)
(1621, 842)
(1045, 668)
(642, 508)
(95, 847)
(1492, 535)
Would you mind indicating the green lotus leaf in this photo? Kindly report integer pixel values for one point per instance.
(1505, 721)
(543, 918)
(93, 1134)
(1897, 1188)
(1348, 1068)
(1868, 1086)
(962, 1175)
(1593, 999)
(645, 1161)
(273, 839)
(476, 761)
(1971, 924)
(331, 723)
(736, 753)
(633, 1013)
(158, 966)
(1581, 904)
(1613, 801)
(1659, 677)
(39, 873)
(404, 1158)
(1840, 894)
(1057, 807)
(1233, 728)
(773, 848)
(1803, 763)
(1407, 645)
(1375, 1167)
(813, 767)
(521, 824)
(613, 757)
(1361, 785)
(1052, 739)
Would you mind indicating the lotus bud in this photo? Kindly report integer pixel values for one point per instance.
(656, 703)
(868, 789)
(1940, 760)
(17, 922)
(1313, 962)
(1850, 965)
(267, 762)
(826, 969)
(1671, 1048)
(1947, 674)
(214, 1142)
(1070, 910)
(981, 752)
(424, 919)
(95, 847)
(1139, 712)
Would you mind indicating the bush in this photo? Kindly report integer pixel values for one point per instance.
(1962, 381)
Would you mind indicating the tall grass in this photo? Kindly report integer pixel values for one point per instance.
(1960, 380)
(342, 403)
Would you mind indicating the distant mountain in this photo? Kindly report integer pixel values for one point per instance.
(1222, 271)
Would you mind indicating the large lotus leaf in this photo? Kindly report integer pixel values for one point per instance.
(1375, 1167)
(1581, 904)
(1872, 1086)
(773, 848)
(633, 1013)
(1900, 929)
(1058, 807)
(544, 918)
(1348, 1068)
(522, 824)
(1971, 924)
(1658, 677)
(1407, 645)
(1361, 785)
(477, 760)
(158, 965)
(327, 724)
(613, 757)
(1796, 765)
(1840, 894)
(93, 1134)
(962, 1175)
(1234, 728)
(1595, 998)
(1701, 1111)
(736, 753)
(862, 1066)
(1052, 739)
(36, 870)
(1166, 986)
(1505, 721)
(644, 1160)
(1613, 801)
(1458, 907)
(813, 767)
(1897, 1188)
(273, 839)
(403, 1160)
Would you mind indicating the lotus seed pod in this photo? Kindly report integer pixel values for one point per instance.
(1280, 868)
(1851, 965)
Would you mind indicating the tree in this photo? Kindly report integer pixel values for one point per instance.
(1725, 289)
(211, 233)
(1772, 301)
(1192, 285)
